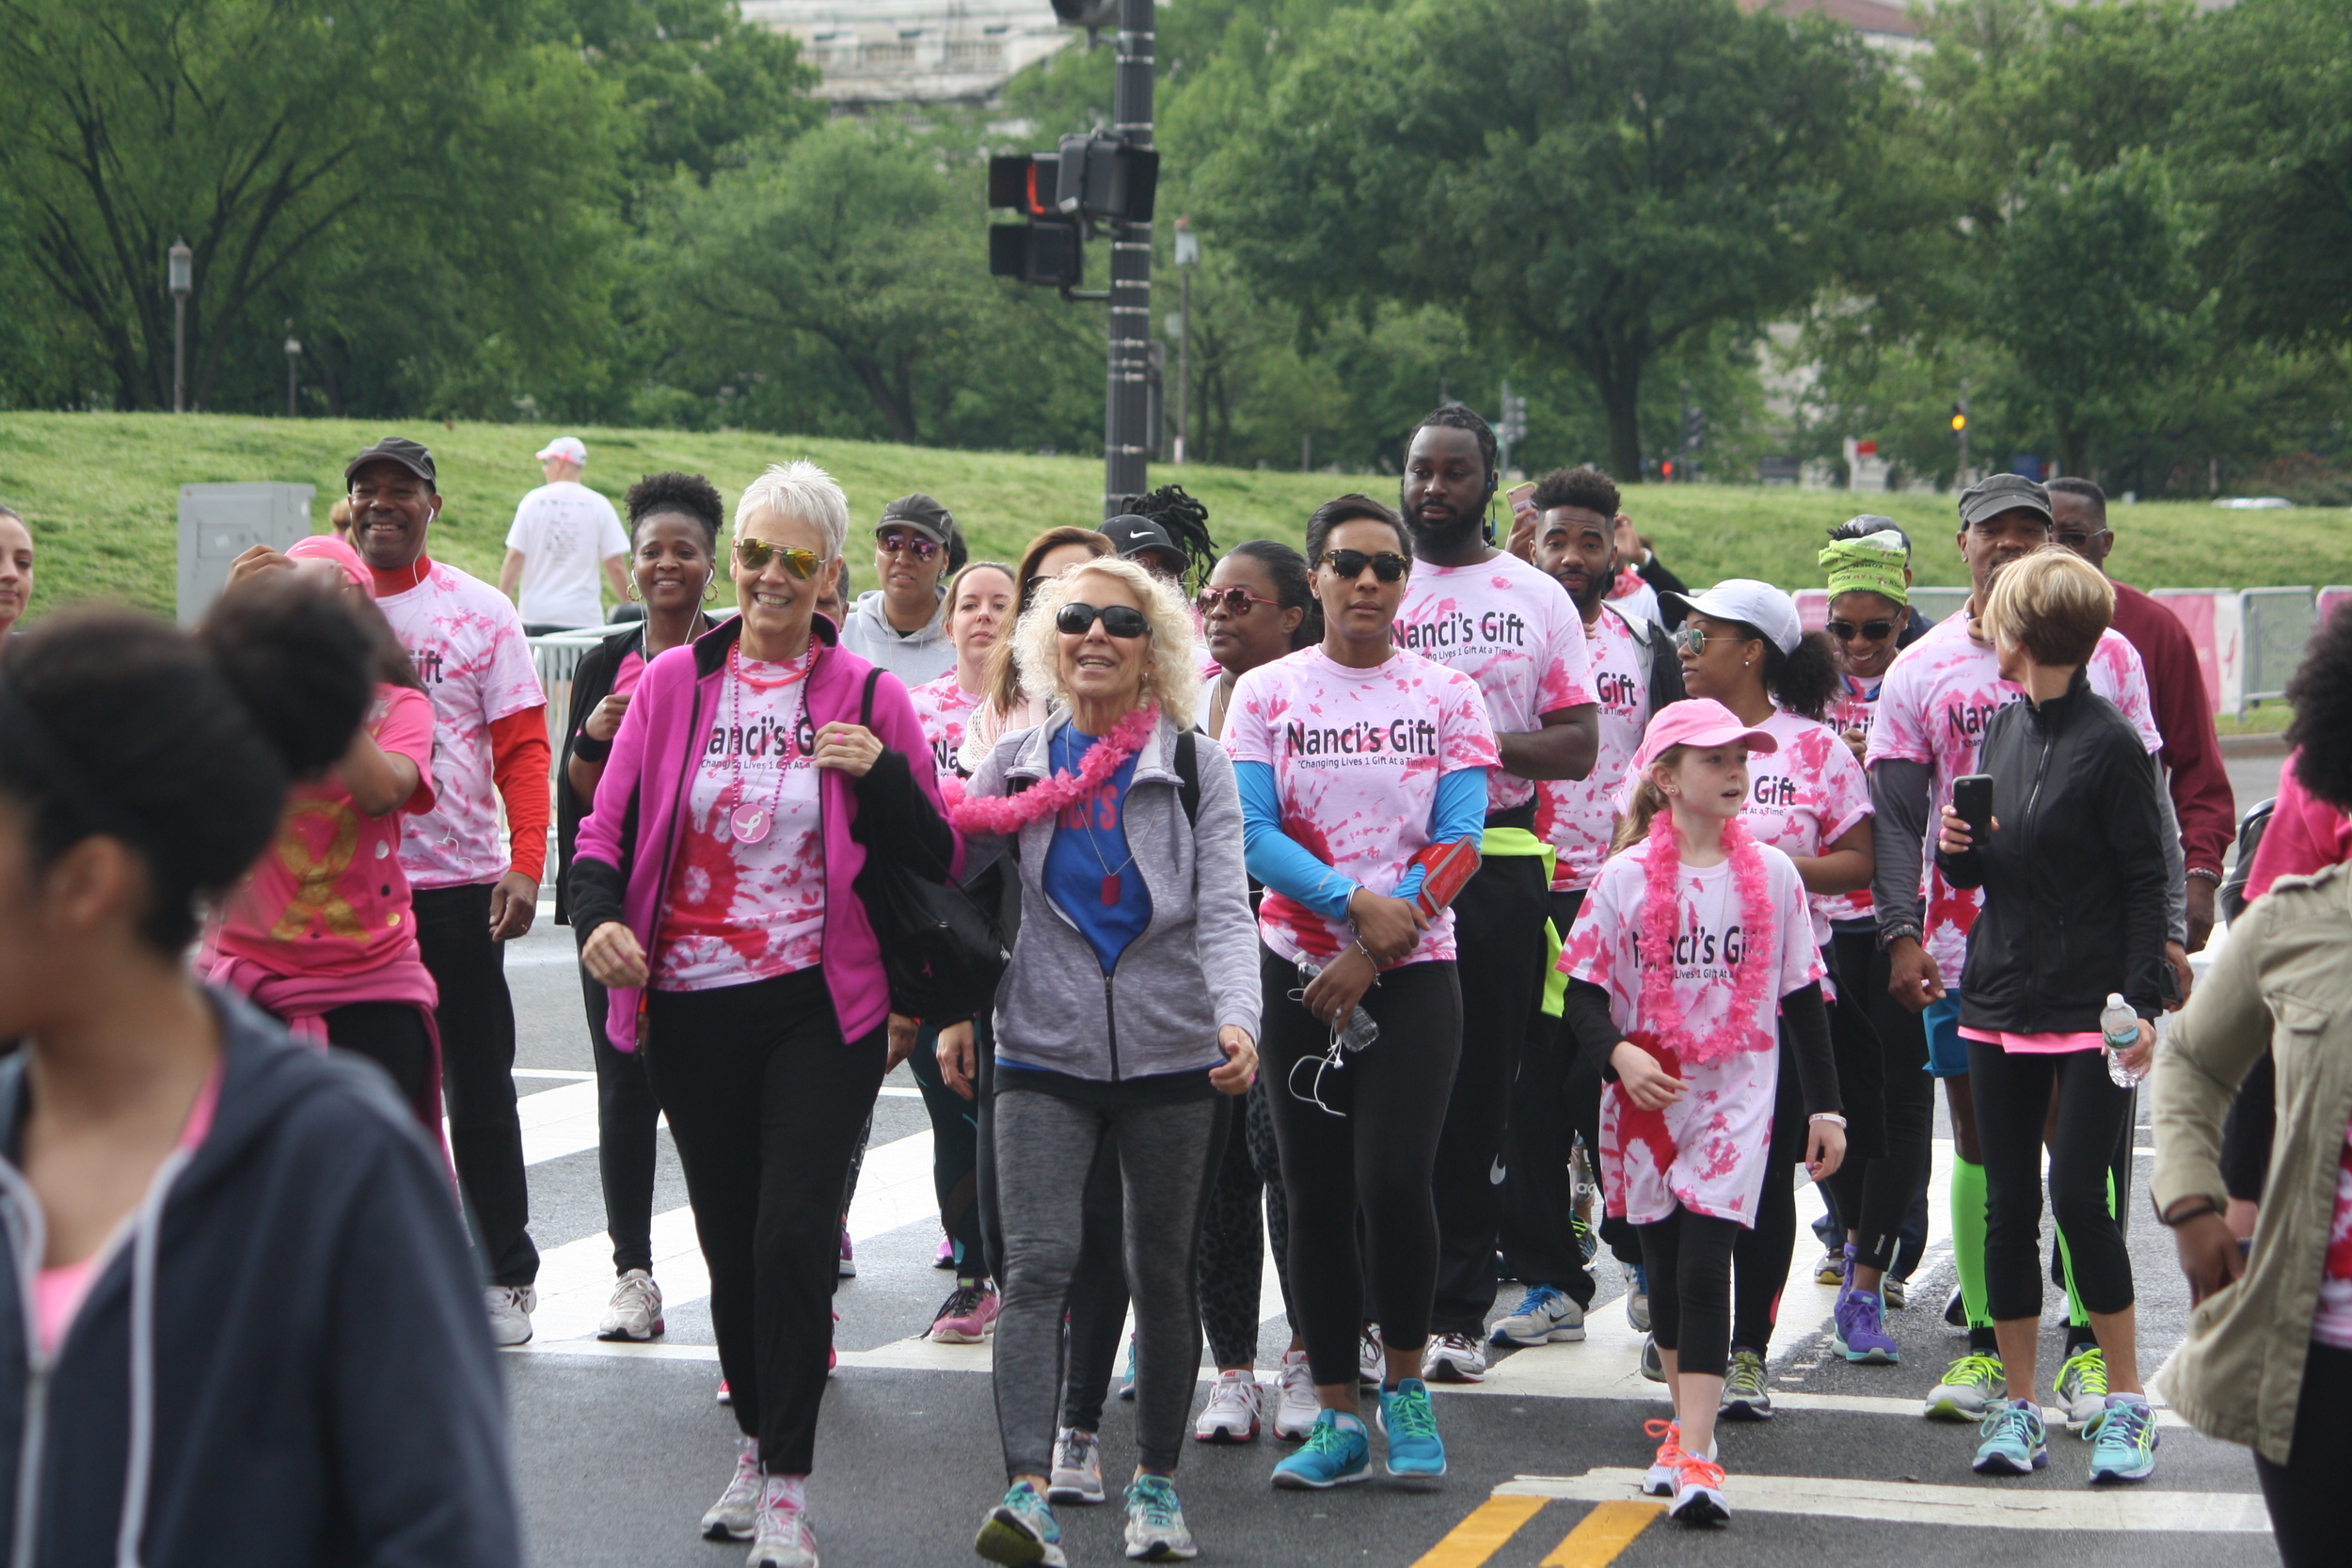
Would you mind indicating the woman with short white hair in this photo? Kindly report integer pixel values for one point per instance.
(713, 888)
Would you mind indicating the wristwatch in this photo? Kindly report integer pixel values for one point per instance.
(1890, 935)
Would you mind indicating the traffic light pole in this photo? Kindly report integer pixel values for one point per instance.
(1127, 393)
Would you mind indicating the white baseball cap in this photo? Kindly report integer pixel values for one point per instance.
(569, 448)
(1758, 603)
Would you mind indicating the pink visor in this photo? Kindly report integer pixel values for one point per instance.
(1699, 721)
(327, 546)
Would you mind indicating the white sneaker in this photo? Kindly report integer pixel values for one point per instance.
(510, 1308)
(784, 1538)
(735, 1516)
(1453, 1359)
(1295, 1405)
(1371, 1358)
(1545, 1316)
(635, 1310)
(1236, 1403)
(1077, 1476)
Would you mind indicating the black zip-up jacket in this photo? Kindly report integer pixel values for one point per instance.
(293, 1308)
(2073, 875)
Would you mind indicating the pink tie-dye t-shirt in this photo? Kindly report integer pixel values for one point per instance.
(2331, 1325)
(1512, 630)
(1708, 1149)
(941, 706)
(1855, 708)
(1579, 817)
(469, 649)
(1806, 796)
(1357, 756)
(739, 912)
(1933, 705)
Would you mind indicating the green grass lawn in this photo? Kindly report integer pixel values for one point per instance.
(101, 494)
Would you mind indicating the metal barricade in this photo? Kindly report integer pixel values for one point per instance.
(1939, 604)
(555, 655)
(2278, 621)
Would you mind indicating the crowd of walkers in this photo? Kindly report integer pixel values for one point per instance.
(1438, 909)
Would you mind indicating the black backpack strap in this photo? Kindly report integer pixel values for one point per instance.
(865, 702)
(1188, 776)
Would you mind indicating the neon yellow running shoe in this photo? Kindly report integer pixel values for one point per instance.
(1971, 1385)
(2082, 1391)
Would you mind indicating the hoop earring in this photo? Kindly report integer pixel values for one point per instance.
(710, 589)
(629, 589)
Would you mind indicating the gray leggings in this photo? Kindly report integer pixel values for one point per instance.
(1045, 1146)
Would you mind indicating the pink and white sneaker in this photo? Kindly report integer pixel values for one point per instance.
(784, 1538)
(968, 1315)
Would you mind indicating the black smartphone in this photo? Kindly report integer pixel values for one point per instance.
(1972, 800)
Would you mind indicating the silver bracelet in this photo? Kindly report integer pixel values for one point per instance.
(1830, 1116)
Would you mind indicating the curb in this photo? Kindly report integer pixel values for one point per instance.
(2252, 745)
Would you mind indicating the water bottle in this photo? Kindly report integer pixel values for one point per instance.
(2119, 1027)
(1360, 1030)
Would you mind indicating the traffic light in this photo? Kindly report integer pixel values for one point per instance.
(1960, 419)
(1102, 177)
(1045, 249)
(1087, 13)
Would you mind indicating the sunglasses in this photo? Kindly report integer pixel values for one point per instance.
(1387, 566)
(1233, 601)
(1119, 619)
(904, 544)
(1870, 631)
(1689, 634)
(753, 555)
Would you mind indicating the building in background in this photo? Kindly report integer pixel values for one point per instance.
(875, 52)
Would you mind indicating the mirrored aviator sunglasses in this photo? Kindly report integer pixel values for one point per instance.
(1119, 619)
(1387, 564)
(753, 555)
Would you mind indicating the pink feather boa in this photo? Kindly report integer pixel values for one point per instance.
(1661, 914)
(1010, 813)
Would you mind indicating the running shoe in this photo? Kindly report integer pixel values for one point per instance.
(1831, 1270)
(849, 1258)
(1336, 1451)
(1231, 1415)
(1698, 1492)
(1860, 1334)
(2082, 1391)
(1972, 1385)
(1636, 1300)
(1371, 1358)
(1077, 1476)
(1896, 1291)
(735, 1516)
(1411, 1428)
(1022, 1530)
(725, 1395)
(2126, 1447)
(1587, 1239)
(1659, 1480)
(510, 1308)
(1545, 1316)
(1653, 1364)
(784, 1538)
(968, 1315)
(1155, 1522)
(1295, 1405)
(1746, 1396)
(1453, 1359)
(1956, 1309)
(2014, 1442)
(635, 1310)
(945, 1256)
(1127, 1375)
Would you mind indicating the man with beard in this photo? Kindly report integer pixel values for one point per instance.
(489, 743)
(1506, 625)
(1634, 672)
(1933, 709)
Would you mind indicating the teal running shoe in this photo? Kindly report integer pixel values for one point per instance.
(1155, 1522)
(1336, 1452)
(2125, 1447)
(1022, 1531)
(2014, 1442)
(2082, 1391)
(1414, 1447)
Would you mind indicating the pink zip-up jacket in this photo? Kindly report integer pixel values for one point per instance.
(621, 870)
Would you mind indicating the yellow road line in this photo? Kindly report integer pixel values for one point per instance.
(1470, 1543)
(1601, 1534)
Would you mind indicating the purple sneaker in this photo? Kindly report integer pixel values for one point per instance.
(1861, 1330)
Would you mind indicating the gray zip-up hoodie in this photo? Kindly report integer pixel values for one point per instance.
(923, 655)
(1195, 968)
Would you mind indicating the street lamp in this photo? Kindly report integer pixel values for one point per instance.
(1187, 257)
(183, 276)
(294, 354)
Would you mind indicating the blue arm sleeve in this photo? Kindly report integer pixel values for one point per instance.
(1277, 859)
(1459, 813)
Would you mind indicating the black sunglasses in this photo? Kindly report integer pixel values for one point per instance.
(1870, 631)
(1387, 564)
(1119, 619)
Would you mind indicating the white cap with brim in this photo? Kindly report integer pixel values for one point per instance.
(1757, 604)
(571, 449)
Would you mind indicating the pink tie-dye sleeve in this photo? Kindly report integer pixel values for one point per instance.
(2117, 674)
(1568, 680)
(1468, 741)
(1901, 731)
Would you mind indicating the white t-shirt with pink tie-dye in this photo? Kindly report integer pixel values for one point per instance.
(941, 707)
(1512, 630)
(1933, 707)
(1805, 796)
(1578, 817)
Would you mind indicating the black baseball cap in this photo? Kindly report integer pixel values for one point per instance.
(412, 455)
(1134, 537)
(1990, 496)
(923, 514)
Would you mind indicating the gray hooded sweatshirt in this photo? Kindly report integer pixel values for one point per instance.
(920, 656)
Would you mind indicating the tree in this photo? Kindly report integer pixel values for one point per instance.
(1625, 176)
(701, 83)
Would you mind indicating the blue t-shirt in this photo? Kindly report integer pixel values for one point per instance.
(1090, 846)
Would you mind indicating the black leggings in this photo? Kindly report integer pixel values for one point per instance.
(390, 1033)
(1248, 1185)
(1762, 1255)
(2012, 1093)
(625, 1118)
(955, 1144)
(476, 1017)
(1376, 1158)
(2306, 1515)
(1872, 1191)
(2247, 1135)
(1688, 1260)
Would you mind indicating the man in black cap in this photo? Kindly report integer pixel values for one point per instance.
(898, 625)
(470, 894)
(1144, 543)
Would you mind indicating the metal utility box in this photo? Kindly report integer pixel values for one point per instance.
(220, 522)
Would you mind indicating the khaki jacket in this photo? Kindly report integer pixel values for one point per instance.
(2284, 982)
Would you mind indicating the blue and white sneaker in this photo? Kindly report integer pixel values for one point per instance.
(1412, 1426)
(1545, 1316)
(1127, 1376)
(2126, 1447)
(1022, 1532)
(1862, 1334)
(2015, 1443)
(1336, 1451)
(1636, 1300)
(1155, 1522)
